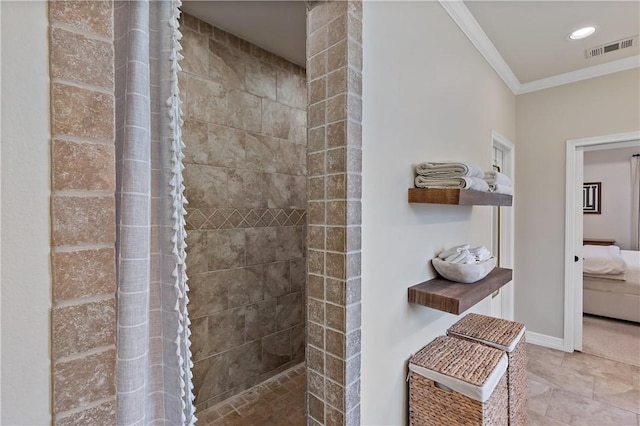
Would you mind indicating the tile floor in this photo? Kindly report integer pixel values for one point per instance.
(581, 389)
(563, 389)
(277, 402)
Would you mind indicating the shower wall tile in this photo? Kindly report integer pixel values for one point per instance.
(195, 49)
(246, 135)
(82, 166)
(275, 279)
(79, 382)
(195, 135)
(334, 64)
(208, 292)
(82, 112)
(245, 111)
(81, 68)
(289, 311)
(229, 249)
(83, 273)
(94, 17)
(261, 319)
(260, 79)
(206, 186)
(229, 329)
(83, 220)
(260, 152)
(276, 350)
(79, 328)
(276, 119)
(76, 57)
(104, 413)
(292, 90)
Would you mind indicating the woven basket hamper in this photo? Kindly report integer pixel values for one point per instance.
(457, 382)
(507, 336)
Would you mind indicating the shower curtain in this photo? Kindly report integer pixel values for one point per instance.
(154, 381)
(635, 202)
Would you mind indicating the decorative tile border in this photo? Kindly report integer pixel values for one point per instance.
(243, 218)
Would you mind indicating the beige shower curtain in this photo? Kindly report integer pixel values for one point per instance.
(154, 361)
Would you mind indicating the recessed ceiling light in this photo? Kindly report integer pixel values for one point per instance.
(582, 33)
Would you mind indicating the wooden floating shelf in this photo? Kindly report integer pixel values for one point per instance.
(458, 196)
(455, 298)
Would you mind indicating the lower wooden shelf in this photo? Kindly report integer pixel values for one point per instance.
(455, 298)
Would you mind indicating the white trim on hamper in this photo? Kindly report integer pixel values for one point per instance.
(477, 393)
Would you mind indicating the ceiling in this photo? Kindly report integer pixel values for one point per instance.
(276, 26)
(525, 41)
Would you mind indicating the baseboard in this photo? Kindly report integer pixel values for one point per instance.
(546, 341)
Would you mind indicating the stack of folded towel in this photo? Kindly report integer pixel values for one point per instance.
(450, 174)
(465, 254)
(498, 182)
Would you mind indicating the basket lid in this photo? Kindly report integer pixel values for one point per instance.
(499, 333)
(468, 368)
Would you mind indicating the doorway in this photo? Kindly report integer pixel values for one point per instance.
(503, 154)
(574, 228)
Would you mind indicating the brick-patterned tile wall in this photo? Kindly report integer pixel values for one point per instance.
(83, 316)
(334, 161)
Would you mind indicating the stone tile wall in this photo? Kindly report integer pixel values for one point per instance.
(245, 177)
(334, 160)
(83, 317)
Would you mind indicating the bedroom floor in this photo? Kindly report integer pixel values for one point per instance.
(611, 339)
(581, 389)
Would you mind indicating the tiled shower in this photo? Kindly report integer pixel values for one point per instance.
(245, 131)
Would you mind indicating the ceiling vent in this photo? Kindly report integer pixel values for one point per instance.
(612, 47)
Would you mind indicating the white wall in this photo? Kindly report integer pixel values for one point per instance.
(612, 167)
(25, 287)
(545, 121)
(428, 95)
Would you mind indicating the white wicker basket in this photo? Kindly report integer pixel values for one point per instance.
(464, 273)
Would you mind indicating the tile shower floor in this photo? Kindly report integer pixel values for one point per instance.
(278, 401)
(563, 389)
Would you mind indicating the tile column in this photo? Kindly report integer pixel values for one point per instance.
(334, 160)
(83, 316)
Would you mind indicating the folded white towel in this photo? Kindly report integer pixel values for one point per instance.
(453, 250)
(472, 183)
(501, 189)
(493, 177)
(449, 169)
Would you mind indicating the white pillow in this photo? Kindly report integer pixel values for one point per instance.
(602, 260)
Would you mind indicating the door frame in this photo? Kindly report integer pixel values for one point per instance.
(574, 233)
(506, 223)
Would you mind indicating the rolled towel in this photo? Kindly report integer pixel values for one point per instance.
(453, 250)
(501, 189)
(481, 253)
(483, 256)
(447, 169)
(492, 177)
(472, 183)
(469, 259)
(458, 257)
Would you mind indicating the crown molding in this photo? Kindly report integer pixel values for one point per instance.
(581, 74)
(470, 27)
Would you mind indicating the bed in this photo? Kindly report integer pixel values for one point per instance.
(611, 282)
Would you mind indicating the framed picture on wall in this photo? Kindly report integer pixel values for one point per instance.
(591, 196)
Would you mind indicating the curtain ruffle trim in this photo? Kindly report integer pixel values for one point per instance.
(183, 342)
